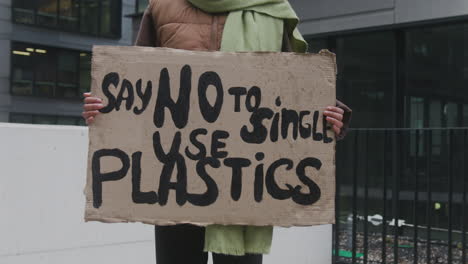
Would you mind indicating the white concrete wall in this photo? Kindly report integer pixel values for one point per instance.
(322, 16)
(42, 203)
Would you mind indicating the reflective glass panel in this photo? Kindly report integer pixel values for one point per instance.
(141, 5)
(110, 18)
(85, 72)
(46, 12)
(89, 12)
(23, 11)
(436, 70)
(366, 77)
(67, 74)
(45, 63)
(22, 69)
(68, 14)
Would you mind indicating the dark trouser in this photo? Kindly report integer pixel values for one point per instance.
(183, 244)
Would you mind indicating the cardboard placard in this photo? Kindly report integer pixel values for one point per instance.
(211, 137)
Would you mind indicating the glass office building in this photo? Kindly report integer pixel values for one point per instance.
(405, 157)
(47, 49)
(413, 78)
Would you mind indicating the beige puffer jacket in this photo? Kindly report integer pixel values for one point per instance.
(178, 24)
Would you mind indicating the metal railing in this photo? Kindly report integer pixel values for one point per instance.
(402, 196)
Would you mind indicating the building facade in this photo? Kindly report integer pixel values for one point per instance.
(46, 51)
(401, 63)
(403, 69)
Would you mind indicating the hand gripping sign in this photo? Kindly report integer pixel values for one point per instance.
(211, 137)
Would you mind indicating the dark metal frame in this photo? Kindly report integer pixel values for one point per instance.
(393, 140)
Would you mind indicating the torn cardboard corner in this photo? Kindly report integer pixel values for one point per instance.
(211, 138)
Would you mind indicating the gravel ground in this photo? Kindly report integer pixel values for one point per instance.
(439, 251)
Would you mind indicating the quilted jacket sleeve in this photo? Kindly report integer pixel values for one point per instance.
(147, 33)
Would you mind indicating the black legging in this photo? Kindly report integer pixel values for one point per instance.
(183, 244)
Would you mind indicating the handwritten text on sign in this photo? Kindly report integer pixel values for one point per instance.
(205, 137)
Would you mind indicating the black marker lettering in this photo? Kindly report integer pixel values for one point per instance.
(256, 94)
(201, 148)
(315, 193)
(212, 192)
(305, 132)
(316, 135)
(180, 109)
(236, 182)
(138, 196)
(128, 87)
(144, 96)
(170, 160)
(111, 78)
(258, 183)
(259, 133)
(289, 117)
(216, 144)
(210, 113)
(272, 187)
(237, 92)
(99, 177)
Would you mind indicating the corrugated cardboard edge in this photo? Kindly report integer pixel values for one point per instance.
(323, 52)
(88, 184)
(98, 218)
(332, 56)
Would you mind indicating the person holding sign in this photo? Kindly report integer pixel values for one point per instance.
(225, 25)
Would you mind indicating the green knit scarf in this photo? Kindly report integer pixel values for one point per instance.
(252, 25)
(255, 25)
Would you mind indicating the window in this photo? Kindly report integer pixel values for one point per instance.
(89, 11)
(46, 12)
(67, 74)
(68, 14)
(417, 77)
(22, 72)
(141, 5)
(110, 24)
(365, 77)
(49, 72)
(94, 17)
(85, 72)
(436, 72)
(25, 118)
(45, 70)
